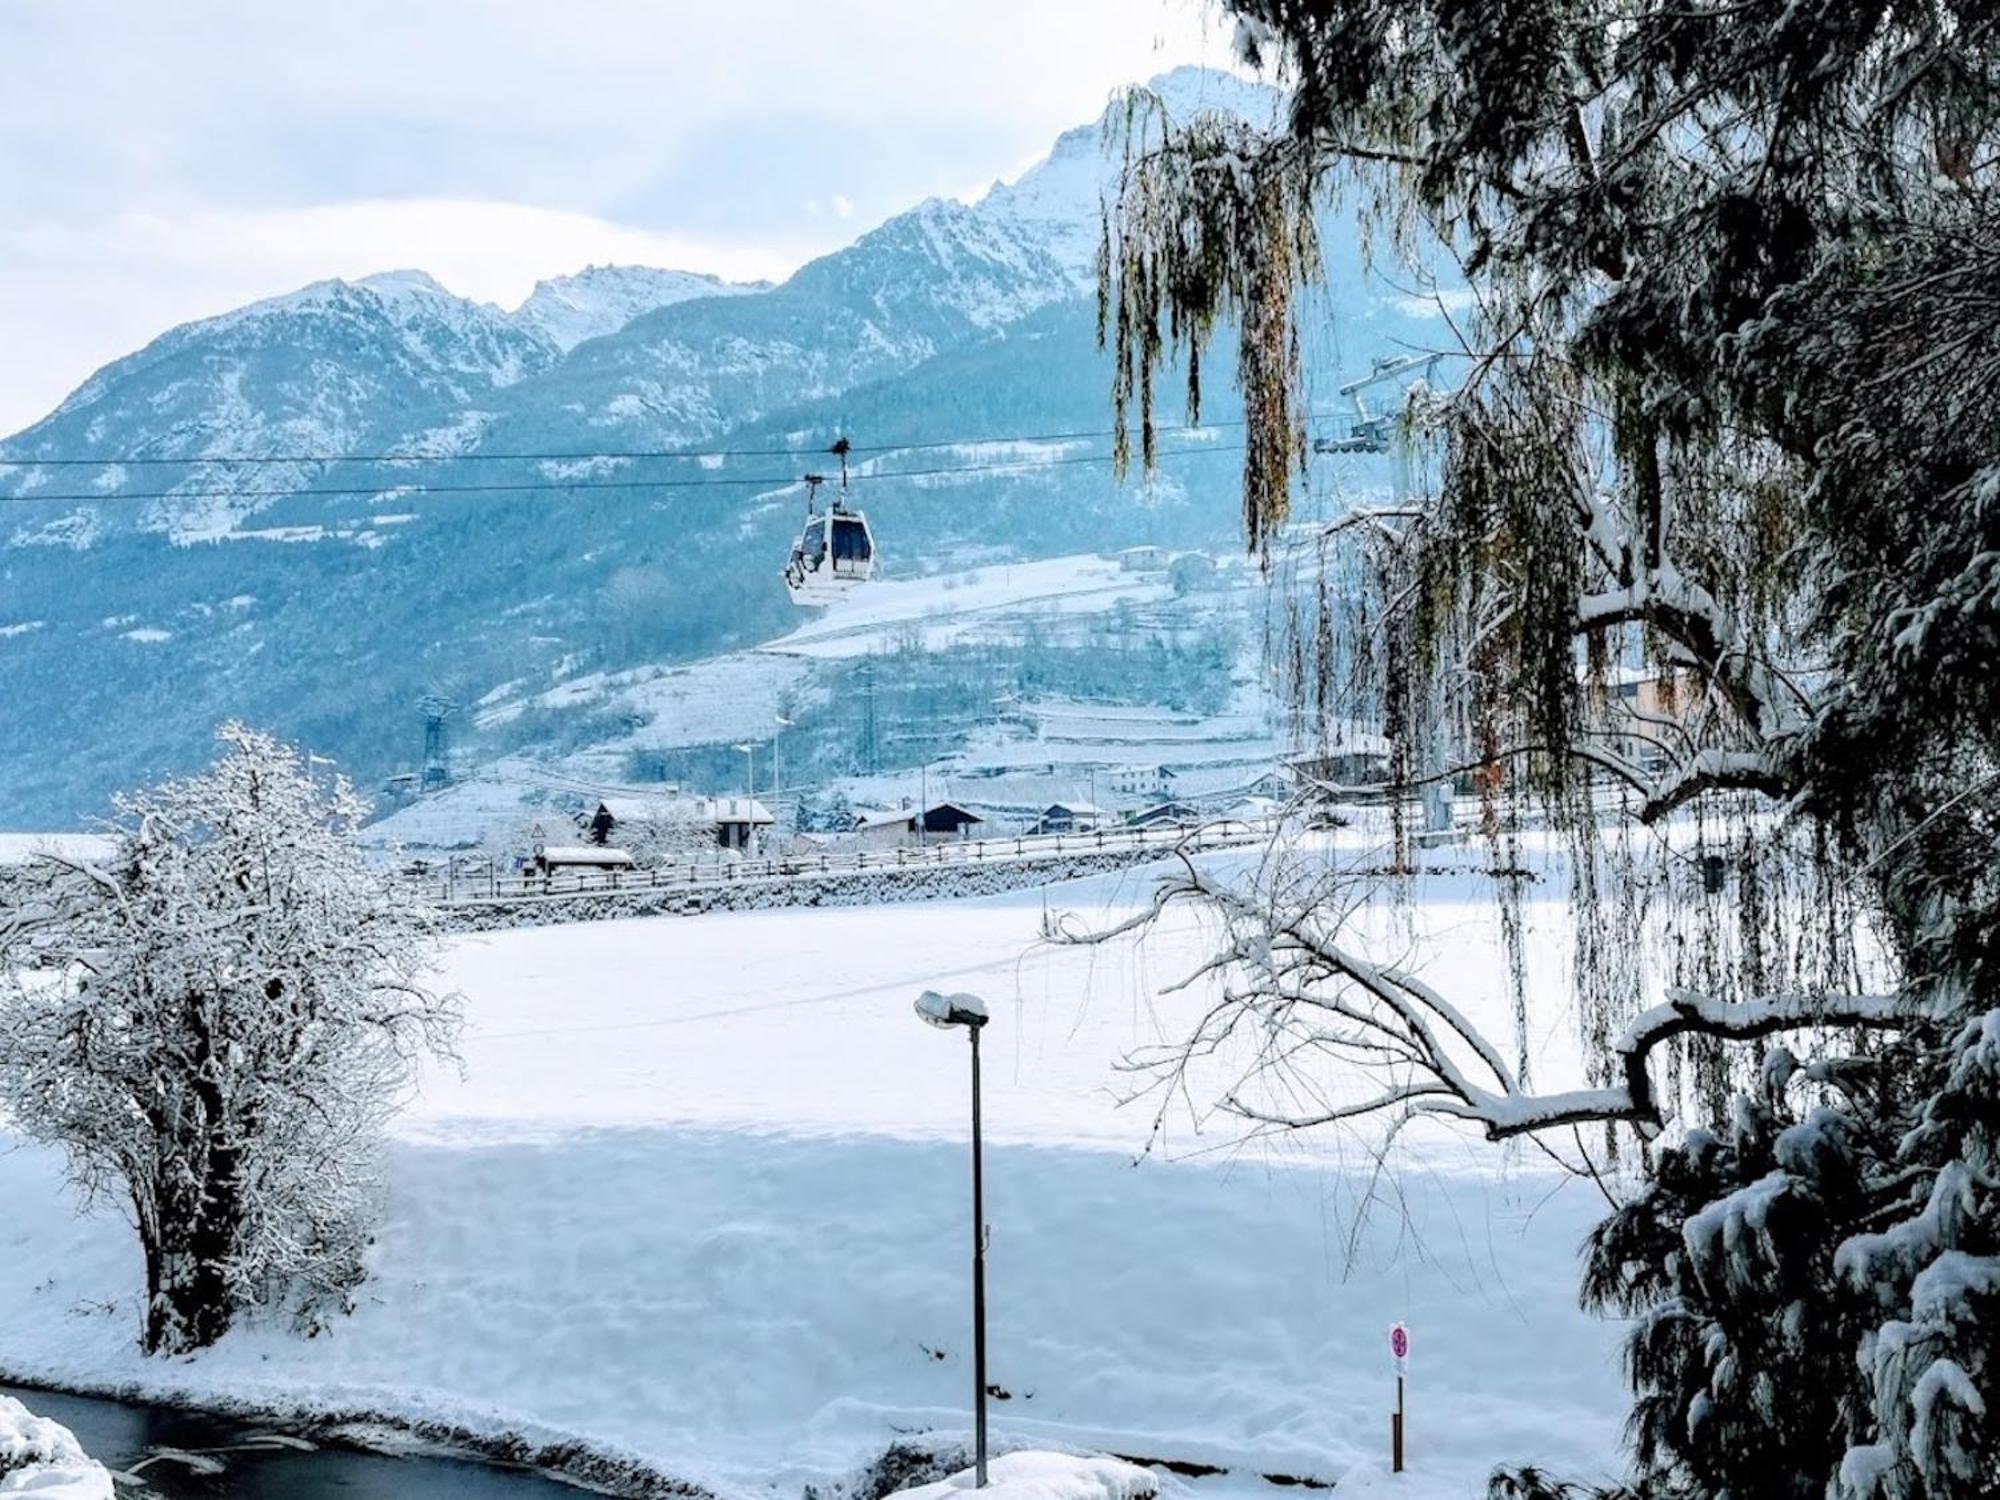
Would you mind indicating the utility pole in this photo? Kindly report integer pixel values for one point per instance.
(436, 772)
(869, 749)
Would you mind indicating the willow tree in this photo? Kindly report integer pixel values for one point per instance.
(1728, 409)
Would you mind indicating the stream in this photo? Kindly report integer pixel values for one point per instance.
(186, 1455)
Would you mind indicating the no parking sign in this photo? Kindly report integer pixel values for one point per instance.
(1399, 1345)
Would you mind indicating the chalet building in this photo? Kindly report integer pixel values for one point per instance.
(1141, 781)
(1168, 814)
(1070, 817)
(888, 827)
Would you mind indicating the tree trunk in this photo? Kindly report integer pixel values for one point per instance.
(189, 1302)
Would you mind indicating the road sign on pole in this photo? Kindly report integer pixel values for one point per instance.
(1399, 1350)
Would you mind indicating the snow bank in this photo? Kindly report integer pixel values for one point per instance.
(1033, 1475)
(43, 1459)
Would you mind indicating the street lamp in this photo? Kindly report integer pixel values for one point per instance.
(969, 1011)
(749, 754)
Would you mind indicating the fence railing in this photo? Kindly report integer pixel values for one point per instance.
(468, 881)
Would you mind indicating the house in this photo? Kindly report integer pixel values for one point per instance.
(1639, 707)
(886, 827)
(1165, 815)
(1141, 781)
(738, 821)
(1069, 817)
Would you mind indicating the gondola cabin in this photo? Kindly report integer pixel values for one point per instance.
(834, 555)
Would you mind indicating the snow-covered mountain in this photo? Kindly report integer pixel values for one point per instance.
(336, 367)
(566, 310)
(343, 589)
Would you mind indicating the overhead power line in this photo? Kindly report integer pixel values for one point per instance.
(603, 455)
(573, 486)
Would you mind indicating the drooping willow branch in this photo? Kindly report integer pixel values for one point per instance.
(1213, 222)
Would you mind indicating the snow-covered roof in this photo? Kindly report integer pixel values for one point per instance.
(875, 817)
(1078, 809)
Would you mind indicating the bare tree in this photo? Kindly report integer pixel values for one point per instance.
(213, 1023)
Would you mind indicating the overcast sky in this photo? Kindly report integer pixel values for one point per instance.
(160, 162)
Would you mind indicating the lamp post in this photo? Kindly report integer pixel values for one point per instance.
(969, 1011)
(749, 752)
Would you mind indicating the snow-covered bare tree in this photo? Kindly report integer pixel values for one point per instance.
(1728, 410)
(213, 1023)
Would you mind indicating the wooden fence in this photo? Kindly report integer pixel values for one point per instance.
(474, 881)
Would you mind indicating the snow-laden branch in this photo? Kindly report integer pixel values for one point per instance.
(1304, 993)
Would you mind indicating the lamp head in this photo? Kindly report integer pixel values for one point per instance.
(947, 1011)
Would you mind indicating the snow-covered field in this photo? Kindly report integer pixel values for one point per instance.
(949, 608)
(699, 1196)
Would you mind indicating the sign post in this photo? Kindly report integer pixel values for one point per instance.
(1399, 1349)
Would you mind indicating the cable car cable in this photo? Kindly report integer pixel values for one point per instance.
(392, 492)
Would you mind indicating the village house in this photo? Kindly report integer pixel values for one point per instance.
(887, 827)
(1167, 814)
(1069, 817)
(1141, 781)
